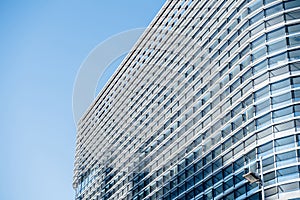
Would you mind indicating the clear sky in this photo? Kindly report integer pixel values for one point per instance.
(42, 45)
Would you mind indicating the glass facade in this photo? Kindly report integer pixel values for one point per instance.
(210, 88)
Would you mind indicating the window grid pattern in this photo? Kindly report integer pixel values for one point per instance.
(209, 87)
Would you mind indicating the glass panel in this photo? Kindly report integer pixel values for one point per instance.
(296, 95)
(296, 82)
(297, 110)
(264, 133)
(289, 187)
(259, 41)
(275, 21)
(255, 5)
(295, 28)
(259, 54)
(263, 121)
(260, 94)
(284, 143)
(258, 29)
(287, 173)
(265, 149)
(278, 59)
(294, 54)
(281, 100)
(280, 86)
(294, 40)
(284, 126)
(279, 71)
(274, 9)
(282, 114)
(269, 178)
(276, 46)
(262, 107)
(260, 66)
(276, 34)
(292, 4)
(286, 158)
(257, 17)
(268, 163)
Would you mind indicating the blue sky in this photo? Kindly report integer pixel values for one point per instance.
(42, 45)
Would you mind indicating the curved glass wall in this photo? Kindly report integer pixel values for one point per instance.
(221, 90)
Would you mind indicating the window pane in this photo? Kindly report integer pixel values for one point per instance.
(293, 15)
(274, 9)
(282, 114)
(296, 82)
(284, 143)
(284, 126)
(280, 86)
(279, 71)
(292, 4)
(294, 55)
(276, 46)
(263, 121)
(275, 21)
(295, 28)
(276, 34)
(278, 59)
(294, 41)
(285, 158)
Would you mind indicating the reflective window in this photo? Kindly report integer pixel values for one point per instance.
(280, 86)
(274, 9)
(278, 59)
(284, 143)
(276, 46)
(295, 28)
(281, 100)
(263, 121)
(294, 40)
(292, 4)
(282, 114)
(262, 107)
(279, 71)
(284, 126)
(294, 54)
(286, 158)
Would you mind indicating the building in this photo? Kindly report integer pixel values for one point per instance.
(210, 92)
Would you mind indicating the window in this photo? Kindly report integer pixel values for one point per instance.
(259, 54)
(294, 40)
(259, 41)
(294, 54)
(278, 59)
(264, 133)
(281, 100)
(295, 28)
(269, 178)
(292, 4)
(265, 149)
(282, 85)
(263, 121)
(275, 21)
(284, 143)
(260, 66)
(296, 95)
(286, 158)
(262, 107)
(284, 126)
(260, 94)
(282, 114)
(276, 46)
(274, 9)
(279, 71)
